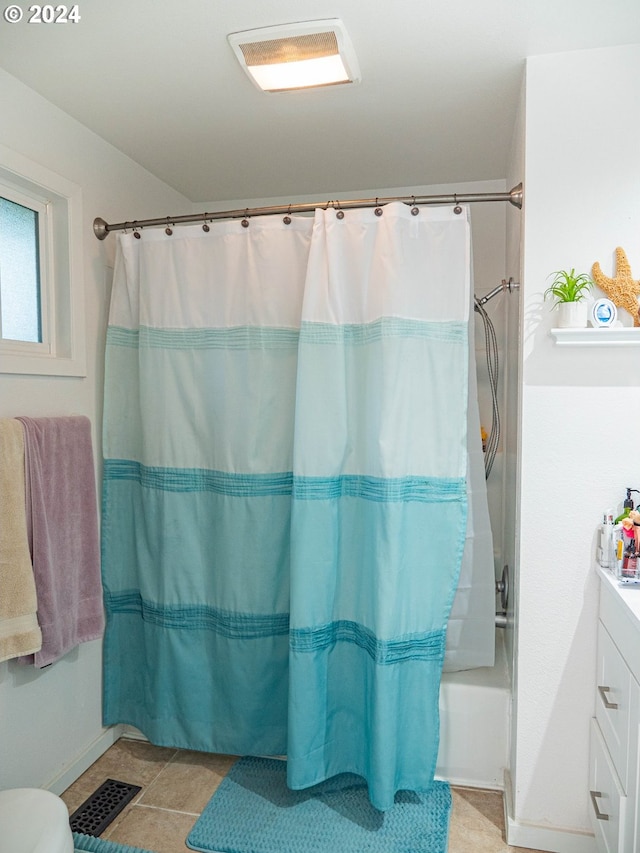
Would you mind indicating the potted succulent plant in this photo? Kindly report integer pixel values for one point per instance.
(570, 290)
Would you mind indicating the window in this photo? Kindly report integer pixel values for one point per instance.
(20, 275)
(41, 298)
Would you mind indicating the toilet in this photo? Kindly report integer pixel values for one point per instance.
(33, 821)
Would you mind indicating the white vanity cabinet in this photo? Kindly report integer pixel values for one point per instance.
(615, 747)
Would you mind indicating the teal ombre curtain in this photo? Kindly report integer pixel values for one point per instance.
(200, 381)
(379, 494)
(285, 501)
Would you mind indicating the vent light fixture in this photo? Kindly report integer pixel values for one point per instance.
(297, 56)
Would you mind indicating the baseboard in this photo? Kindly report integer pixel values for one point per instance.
(464, 782)
(131, 733)
(536, 837)
(92, 753)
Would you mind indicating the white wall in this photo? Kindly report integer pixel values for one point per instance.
(50, 718)
(580, 414)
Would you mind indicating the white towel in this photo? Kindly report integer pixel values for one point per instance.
(19, 630)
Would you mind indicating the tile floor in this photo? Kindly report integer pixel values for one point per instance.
(177, 785)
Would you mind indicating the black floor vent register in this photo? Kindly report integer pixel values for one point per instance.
(103, 806)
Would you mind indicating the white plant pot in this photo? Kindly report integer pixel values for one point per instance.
(572, 315)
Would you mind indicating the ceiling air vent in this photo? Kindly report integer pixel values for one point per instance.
(297, 56)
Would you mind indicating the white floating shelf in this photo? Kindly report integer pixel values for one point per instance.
(618, 336)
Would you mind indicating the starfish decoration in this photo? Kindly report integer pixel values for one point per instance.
(622, 290)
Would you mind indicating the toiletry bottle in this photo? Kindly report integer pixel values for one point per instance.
(629, 562)
(629, 559)
(632, 566)
(618, 551)
(612, 535)
(606, 541)
(602, 557)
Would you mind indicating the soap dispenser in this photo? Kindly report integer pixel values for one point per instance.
(627, 506)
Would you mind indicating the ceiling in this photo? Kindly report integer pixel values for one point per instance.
(440, 85)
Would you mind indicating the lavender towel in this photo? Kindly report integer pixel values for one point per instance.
(62, 520)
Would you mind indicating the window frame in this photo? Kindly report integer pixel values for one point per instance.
(63, 350)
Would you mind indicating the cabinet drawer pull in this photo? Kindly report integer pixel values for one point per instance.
(600, 815)
(603, 695)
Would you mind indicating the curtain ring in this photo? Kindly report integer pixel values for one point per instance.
(287, 218)
(340, 212)
(245, 221)
(136, 233)
(168, 230)
(415, 210)
(205, 227)
(378, 210)
(457, 209)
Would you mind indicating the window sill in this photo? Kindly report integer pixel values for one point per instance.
(42, 365)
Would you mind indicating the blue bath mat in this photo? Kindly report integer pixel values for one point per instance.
(253, 811)
(89, 844)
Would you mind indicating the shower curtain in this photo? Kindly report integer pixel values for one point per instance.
(285, 496)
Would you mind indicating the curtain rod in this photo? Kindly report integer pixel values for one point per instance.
(102, 228)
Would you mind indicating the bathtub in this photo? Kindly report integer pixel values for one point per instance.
(474, 724)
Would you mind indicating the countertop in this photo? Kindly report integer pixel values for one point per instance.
(629, 595)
